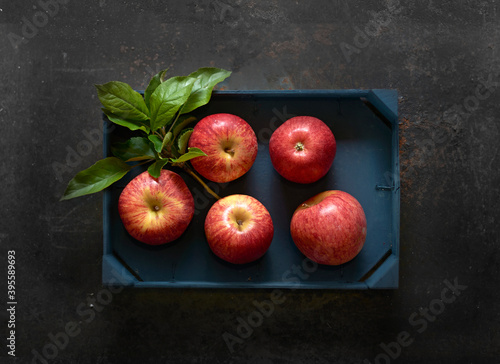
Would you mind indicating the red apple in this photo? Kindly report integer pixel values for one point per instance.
(302, 149)
(329, 228)
(230, 144)
(156, 210)
(239, 229)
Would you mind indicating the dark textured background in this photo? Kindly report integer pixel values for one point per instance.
(436, 55)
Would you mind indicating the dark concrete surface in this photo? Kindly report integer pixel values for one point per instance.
(443, 58)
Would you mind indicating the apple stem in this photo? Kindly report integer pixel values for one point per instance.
(196, 177)
(299, 146)
(229, 151)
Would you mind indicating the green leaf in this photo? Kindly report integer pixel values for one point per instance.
(131, 124)
(119, 98)
(134, 149)
(153, 84)
(191, 153)
(157, 142)
(183, 139)
(155, 169)
(174, 150)
(166, 100)
(167, 139)
(181, 123)
(206, 79)
(96, 178)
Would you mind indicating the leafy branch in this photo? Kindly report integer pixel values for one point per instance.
(161, 117)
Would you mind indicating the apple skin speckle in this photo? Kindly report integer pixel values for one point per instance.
(302, 149)
(230, 144)
(156, 210)
(239, 229)
(329, 228)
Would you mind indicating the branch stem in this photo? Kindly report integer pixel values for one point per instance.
(143, 162)
(197, 178)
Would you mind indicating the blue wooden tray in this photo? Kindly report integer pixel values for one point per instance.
(365, 125)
